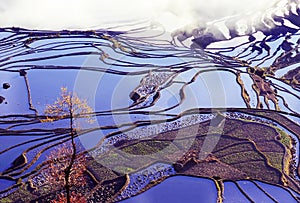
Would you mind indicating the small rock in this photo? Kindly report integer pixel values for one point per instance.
(134, 96)
(1, 99)
(22, 72)
(6, 85)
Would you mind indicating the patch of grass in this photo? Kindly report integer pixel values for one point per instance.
(275, 159)
(260, 171)
(22, 194)
(100, 172)
(284, 138)
(146, 147)
(234, 149)
(124, 169)
(5, 200)
(241, 157)
(112, 158)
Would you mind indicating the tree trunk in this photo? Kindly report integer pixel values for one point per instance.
(68, 170)
(67, 186)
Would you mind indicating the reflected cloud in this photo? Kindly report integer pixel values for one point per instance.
(92, 14)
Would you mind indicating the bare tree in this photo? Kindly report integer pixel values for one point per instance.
(70, 107)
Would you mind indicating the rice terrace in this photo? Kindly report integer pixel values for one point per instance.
(197, 104)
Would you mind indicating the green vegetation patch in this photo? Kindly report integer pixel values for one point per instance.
(238, 148)
(146, 147)
(285, 139)
(275, 159)
(5, 200)
(242, 157)
(260, 170)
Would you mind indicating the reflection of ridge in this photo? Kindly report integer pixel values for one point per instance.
(84, 43)
(31, 107)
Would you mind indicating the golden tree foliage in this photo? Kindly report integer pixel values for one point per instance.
(68, 105)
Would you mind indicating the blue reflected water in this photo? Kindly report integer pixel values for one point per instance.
(179, 189)
(277, 193)
(232, 194)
